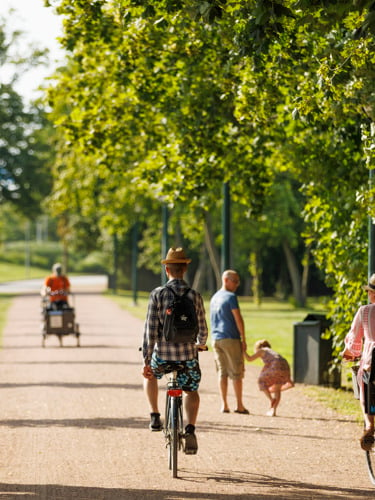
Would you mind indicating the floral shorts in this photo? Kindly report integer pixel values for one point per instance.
(189, 372)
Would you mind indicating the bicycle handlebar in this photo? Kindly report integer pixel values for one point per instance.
(57, 292)
(202, 348)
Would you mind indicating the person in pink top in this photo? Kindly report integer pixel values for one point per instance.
(274, 376)
(359, 343)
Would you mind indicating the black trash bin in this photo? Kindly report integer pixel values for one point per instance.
(312, 354)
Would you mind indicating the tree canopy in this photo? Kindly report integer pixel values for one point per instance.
(25, 153)
(164, 101)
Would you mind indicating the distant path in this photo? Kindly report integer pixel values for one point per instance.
(74, 425)
(95, 283)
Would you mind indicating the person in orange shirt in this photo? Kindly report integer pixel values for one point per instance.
(57, 286)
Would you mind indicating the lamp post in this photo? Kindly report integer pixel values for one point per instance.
(371, 236)
(164, 238)
(27, 248)
(113, 280)
(225, 249)
(135, 232)
(369, 142)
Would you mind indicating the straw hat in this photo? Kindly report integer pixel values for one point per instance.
(371, 284)
(176, 256)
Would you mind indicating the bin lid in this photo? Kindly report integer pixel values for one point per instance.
(319, 317)
(307, 323)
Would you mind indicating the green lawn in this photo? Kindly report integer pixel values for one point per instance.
(274, 321)
(13, 272)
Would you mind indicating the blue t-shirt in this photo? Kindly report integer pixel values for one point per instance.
(223, 324)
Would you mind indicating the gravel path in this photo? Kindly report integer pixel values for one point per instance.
(74, 425)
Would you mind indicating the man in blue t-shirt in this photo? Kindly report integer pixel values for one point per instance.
(228, 339)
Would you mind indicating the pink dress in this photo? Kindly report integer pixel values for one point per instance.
(276, 370)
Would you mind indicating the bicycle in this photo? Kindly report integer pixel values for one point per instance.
(173, 422)
(58, 318)
(370, 409)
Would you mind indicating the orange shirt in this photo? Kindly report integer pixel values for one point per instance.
(56, 283)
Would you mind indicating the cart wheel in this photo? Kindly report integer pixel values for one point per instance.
(60, 340)
(77, 335)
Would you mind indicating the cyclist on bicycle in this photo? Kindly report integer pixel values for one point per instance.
(57, 287)
(362, 334)
(158, 353)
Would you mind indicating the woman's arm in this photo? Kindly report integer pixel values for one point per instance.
(354, 339)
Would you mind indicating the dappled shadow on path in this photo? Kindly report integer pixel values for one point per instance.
(69, 362)
(72, 385)
(142, 423)
(83, 346)
(250, 428)
(264, 488)
(283, 488)
(81, 423)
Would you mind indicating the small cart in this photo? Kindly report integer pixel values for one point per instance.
(58, 321)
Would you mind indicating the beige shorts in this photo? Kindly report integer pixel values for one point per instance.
(229, 358)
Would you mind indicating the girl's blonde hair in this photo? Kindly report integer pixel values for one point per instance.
(261, 343)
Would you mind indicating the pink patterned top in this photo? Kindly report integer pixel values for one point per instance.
(362, 333)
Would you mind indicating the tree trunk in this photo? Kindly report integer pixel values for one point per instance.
(200, 272)
(255, 270)
(305, 275)
(294, 273)
(211, 250)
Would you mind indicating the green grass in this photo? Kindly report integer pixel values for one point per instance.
(274, 321)
(13, 272)
(340, 400)
(126, 301)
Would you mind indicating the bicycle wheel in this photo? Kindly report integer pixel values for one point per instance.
(370, 458)
(167, 428)
(174, 435)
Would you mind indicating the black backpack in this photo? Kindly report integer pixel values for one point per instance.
(180, 321)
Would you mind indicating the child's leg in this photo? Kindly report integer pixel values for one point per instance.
(271, 411)
(276, 397)
(268, 394)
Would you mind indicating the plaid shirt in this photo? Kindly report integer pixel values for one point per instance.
(153, 339)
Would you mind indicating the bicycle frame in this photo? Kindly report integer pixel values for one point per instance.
(173, 423)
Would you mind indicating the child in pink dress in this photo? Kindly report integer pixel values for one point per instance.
(274, 376)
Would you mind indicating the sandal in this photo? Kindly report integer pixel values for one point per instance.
(367, 440)
(242, 412)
